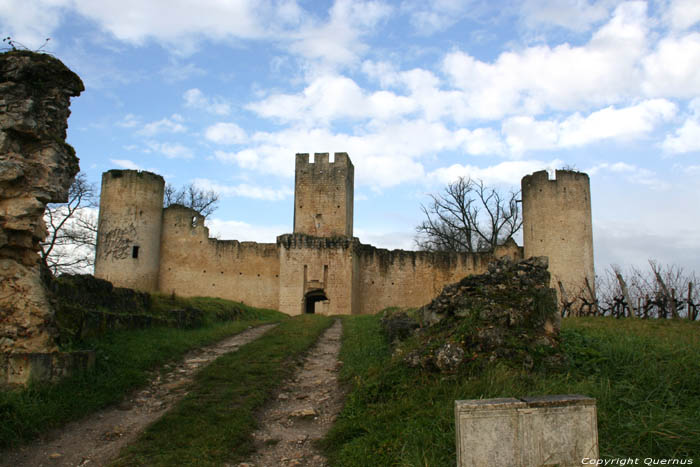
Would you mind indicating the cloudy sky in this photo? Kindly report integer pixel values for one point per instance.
(223, 93)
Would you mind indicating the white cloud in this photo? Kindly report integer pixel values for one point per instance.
(525, 133)
(126, 164)
(564, 77)
(338, 41)
(576, 15)
(383, 158)
(631, 173)
(129, 121)
(181, 23)
(682, 14)
(480, 141)
(671, 69)
(505, 173)
(30, 22)
(245, 190)
(242, 231)
(176, 72)
(164, 125)
(436, 15)
(388, 155)
(384, 72)
(195, 99)
(225, 133)
(634, 243)
(171, 150)
(332, 97)
(388, 240)
(246, 159)
(687, 137)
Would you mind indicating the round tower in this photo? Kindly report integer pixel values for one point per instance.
(129, 229)
(557, 223)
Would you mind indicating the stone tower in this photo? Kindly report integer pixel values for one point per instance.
(129, 229)
(323, 195)
(557, 223)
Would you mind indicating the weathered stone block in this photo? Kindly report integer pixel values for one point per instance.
(37, 167)
(556, 430)
(18, 369)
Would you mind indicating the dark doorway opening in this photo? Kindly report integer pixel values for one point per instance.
(311, 298)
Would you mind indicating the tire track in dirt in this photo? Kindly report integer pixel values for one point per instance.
(303, 410)
(98, 438)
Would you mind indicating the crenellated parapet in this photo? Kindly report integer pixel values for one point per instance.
(300, 240)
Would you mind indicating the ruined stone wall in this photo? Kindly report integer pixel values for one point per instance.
(328, 263)
(36, 167)
(557, 224)
(192, 264)
(129, 229)
(323, 195)
(413, 278)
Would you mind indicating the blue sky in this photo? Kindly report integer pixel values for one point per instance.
(224, 93)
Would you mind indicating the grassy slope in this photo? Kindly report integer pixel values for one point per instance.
(124, 360)
(644, 375)
(212, 425)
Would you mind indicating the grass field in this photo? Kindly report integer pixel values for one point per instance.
(213, 424)
(645, 376)
(123, 362)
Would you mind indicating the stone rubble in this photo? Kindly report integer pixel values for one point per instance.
(508, 313)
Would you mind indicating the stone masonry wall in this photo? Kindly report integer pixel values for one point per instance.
(299, 251)
(192, 264)
(323, 195)
(128, 240)
(36, 168)
(557, 224)
(413, 278)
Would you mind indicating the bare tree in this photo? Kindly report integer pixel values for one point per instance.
(661, 292)
(72, 230)
(468, 216)
(203, 201)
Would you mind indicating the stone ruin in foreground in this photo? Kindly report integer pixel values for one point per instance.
(507, 314)
(37, 167)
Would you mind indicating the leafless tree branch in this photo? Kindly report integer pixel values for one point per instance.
(468, 216)
(72, 229)
(204, 202)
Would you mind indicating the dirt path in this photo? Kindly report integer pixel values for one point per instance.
(303, 410)
(98, 438)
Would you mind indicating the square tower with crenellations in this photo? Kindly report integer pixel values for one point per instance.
(323, 195)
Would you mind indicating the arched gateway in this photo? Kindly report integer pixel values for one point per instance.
(313, 297)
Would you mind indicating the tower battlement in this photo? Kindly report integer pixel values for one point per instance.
(323, 195)
(323, 159)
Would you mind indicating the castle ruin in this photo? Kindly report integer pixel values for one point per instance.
(320, 267)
